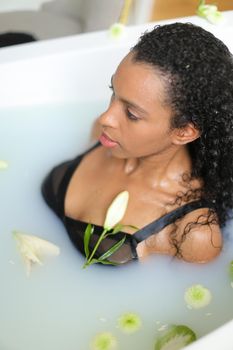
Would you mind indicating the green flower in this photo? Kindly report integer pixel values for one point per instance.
(209, 12)
(117, 30)
(3, 165)
(32, 249)
(197, 296)
(129, 322)
(104, 341)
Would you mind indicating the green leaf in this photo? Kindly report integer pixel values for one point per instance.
(131, 226)
(112, 250)
(87, 263)
(87, 235)
(117, 229)
(120, 227)
(96, 261)
(93, 261)
(107, 262)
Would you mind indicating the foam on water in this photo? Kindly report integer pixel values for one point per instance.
(61, 306)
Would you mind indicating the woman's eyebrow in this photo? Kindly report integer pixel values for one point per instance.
(133, 105)
(129, 103)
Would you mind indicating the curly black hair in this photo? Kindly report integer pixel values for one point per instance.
(198, 74)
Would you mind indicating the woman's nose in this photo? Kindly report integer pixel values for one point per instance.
(110, 117)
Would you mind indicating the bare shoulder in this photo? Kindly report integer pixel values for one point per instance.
(200, 236)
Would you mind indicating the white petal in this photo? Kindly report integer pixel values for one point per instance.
(117, 210)
(32, 248)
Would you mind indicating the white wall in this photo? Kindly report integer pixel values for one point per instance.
(93, 14)
(15, 5)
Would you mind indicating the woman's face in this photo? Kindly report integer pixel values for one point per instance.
(137, 121)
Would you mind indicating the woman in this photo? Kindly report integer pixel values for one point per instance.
(166, 138)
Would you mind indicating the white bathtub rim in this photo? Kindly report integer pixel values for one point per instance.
(220, 338)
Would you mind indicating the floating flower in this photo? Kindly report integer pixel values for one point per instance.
(197, 296)
(104, 341)
(175, 338)
(129, 322)
(32, 248)
(3, 165)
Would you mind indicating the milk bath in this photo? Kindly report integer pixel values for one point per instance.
(61, 306)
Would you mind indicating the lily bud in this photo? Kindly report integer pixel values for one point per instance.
(117, 210)
(32, 248)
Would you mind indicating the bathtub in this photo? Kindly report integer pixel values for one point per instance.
(78, 69)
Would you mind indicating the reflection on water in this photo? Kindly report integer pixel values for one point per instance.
(61, 306)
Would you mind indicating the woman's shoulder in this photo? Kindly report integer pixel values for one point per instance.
(200, 236)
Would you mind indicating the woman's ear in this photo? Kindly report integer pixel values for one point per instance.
(185, 134)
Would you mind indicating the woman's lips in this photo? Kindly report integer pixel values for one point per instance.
(106, 141)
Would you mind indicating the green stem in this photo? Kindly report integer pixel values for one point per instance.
(101, 237)
(201, 2)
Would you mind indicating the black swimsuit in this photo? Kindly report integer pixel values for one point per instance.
(54, 189)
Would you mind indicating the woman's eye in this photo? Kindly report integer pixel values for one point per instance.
(131, 116)
(113, 93)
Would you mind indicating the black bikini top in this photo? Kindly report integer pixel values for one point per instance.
(54, 190)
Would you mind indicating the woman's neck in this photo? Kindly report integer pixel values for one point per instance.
(170, 165)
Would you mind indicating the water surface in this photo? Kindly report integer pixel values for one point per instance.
(61, 306)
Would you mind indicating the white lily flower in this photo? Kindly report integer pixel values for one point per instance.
(32, 248)
(117, 210)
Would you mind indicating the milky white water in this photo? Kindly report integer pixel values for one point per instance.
(61, 306)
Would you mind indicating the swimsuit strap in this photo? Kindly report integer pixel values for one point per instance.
(167, 219)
